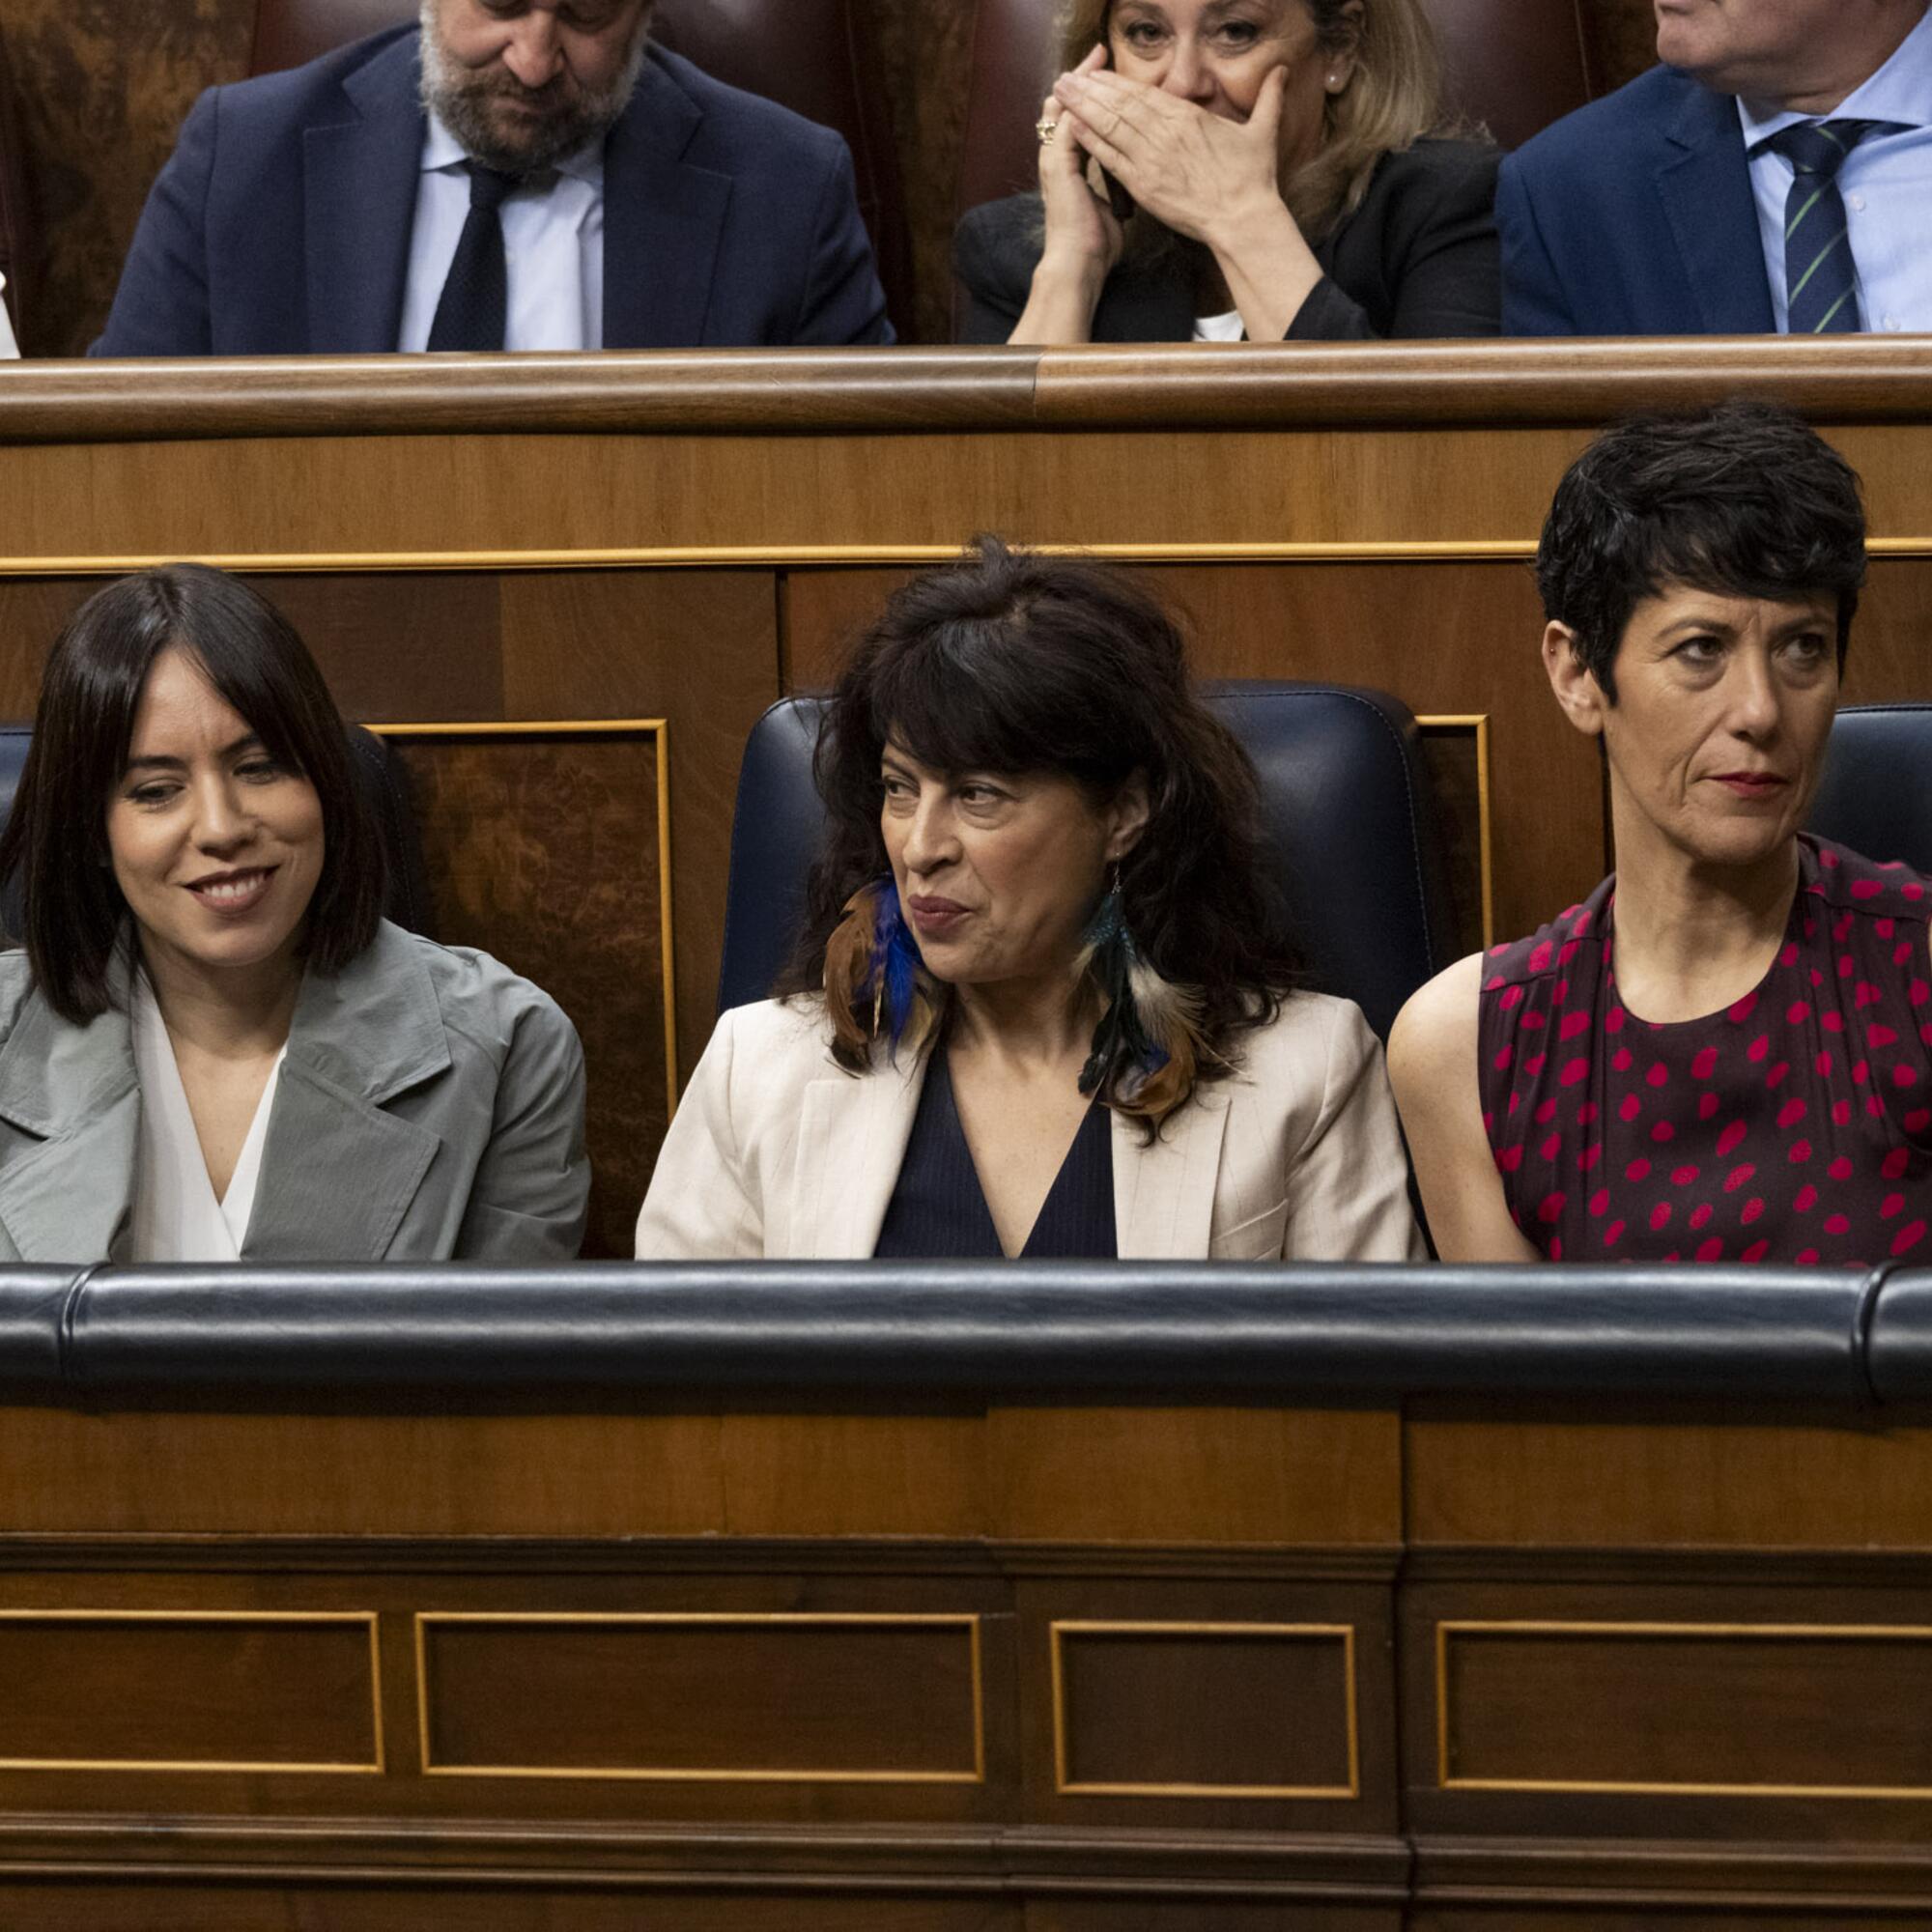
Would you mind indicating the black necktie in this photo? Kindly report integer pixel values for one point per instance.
(472, 311)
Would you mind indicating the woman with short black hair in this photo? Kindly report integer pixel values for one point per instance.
(214, 1047)
(1043, 1004)
(1722, 1052)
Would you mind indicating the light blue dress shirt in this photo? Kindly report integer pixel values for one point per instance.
(552, 248)
(1886, 185)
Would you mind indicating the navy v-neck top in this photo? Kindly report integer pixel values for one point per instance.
(938, 1210)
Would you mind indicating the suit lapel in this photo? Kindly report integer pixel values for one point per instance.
(360, 182)
(1705, 185)
(70, 1200)
(852, 1140)
(74, 1089)
(1164, 1193)
(664, 219)
(338, 1172)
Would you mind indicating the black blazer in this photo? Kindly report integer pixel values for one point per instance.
(1417, 259)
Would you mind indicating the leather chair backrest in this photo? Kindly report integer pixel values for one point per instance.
(1351, 837)
(1876, 794)
(1512, 66)
(17, 239)
(378, 773)
(812, 56)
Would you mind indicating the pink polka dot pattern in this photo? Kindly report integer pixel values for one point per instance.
(1791, 1126)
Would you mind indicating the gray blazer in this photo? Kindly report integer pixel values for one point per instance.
(430, 1107)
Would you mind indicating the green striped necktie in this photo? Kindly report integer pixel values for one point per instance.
(1820, 276)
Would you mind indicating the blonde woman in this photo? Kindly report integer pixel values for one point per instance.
(1211, 170)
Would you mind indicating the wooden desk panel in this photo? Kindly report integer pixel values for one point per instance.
(852, 1662)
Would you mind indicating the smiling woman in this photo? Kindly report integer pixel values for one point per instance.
(1042, 1004)
(1720, 1054)
(1214, 168)
(214, 1047)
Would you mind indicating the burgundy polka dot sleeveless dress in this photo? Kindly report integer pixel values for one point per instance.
(1794, 1127)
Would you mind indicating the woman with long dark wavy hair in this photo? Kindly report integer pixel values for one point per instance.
(1042, 1004)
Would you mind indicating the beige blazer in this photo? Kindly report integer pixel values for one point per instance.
(777, 1152)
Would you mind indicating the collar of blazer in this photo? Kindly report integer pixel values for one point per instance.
(338, 1173)
(663, 217)
(852, 1140)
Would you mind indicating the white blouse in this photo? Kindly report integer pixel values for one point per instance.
(1227, 327)
(176, 1217)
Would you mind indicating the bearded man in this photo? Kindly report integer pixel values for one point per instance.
(509, 174)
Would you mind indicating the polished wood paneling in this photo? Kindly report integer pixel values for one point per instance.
(523, 1903)
(100, 107)
(1181, 1710)
(1223, 1475)
(1661, 1709)
(771, 1698)
(1477, 384)
(1657, 1712)
(1685, 1482)
(1086, 1475)
(106, 1692)
(1237, 1724)
(546, 850)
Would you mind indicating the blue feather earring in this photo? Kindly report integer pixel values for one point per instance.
(894, 963)
(872, 961)
(1147, 1044)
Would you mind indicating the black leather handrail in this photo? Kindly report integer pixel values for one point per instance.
(886, 1331)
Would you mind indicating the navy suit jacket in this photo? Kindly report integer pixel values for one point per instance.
(281, 223)
(1634, 216)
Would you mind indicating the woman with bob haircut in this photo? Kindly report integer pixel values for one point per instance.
(1041, 1003)
(1723, 1053)
(1214, 169)
(214, 1047)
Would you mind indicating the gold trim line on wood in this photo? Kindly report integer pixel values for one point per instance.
(969, 1621)
(1559, 1626)
(240, 1767)
(658, 728)
(805, 556)
(1479, 723)
(1089, 1627)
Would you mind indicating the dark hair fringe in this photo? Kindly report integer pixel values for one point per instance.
(1011, 661)
(1743, 499)
(55, 841)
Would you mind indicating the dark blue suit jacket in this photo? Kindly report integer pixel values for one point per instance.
(281, 223)
(1634, 216)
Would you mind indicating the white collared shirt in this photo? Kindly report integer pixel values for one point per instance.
(9, 347)
(552, 248)
(1886, 182)
(176, 1217)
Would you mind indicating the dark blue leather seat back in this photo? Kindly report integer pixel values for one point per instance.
(1876, 794)
(379, 772)
(1353, 840)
